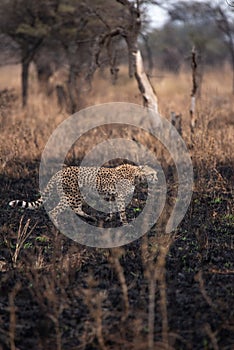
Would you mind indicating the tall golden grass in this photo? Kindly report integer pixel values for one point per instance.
(24, 132)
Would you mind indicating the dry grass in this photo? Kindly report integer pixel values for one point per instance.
(60, 295)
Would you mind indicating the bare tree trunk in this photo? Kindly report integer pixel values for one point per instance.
(130, 34)
(132, 51)
(24, 78)
(149, 95)
(114, 70)
(193, 118)
(71, 88)
(44, 72)
(27, 55)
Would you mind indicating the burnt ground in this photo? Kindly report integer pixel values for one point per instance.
(57, 294)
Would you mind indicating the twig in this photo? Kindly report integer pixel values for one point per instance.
(22, 235)
(114, 259)
(151, 313)
(156, 272)
(94, 301)
(12, 309)
(198, 278)
(212, 336)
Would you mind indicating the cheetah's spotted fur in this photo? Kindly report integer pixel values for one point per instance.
(118, 182)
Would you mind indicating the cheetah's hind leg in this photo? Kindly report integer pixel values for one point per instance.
(80, 212)
(54, 213)
(62, 206)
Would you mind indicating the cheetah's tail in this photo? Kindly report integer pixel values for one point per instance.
(34, 205)
(24, 204)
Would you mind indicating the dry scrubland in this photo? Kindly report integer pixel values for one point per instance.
(160, 292)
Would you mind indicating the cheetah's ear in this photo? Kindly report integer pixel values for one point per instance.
(143, 167)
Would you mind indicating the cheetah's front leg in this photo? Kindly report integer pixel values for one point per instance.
(121, 209)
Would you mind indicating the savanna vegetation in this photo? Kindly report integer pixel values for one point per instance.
(162, 291)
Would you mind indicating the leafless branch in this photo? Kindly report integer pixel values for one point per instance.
(99, 43)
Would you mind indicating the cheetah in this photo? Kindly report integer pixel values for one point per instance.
(118, 182)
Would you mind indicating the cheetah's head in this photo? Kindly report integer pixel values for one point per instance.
(149, 172)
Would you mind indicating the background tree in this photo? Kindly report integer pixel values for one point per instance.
(224, 20)
(27, 22)
(85, 35)
(209, 27)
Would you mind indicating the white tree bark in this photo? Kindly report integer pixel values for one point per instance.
(144, 84)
